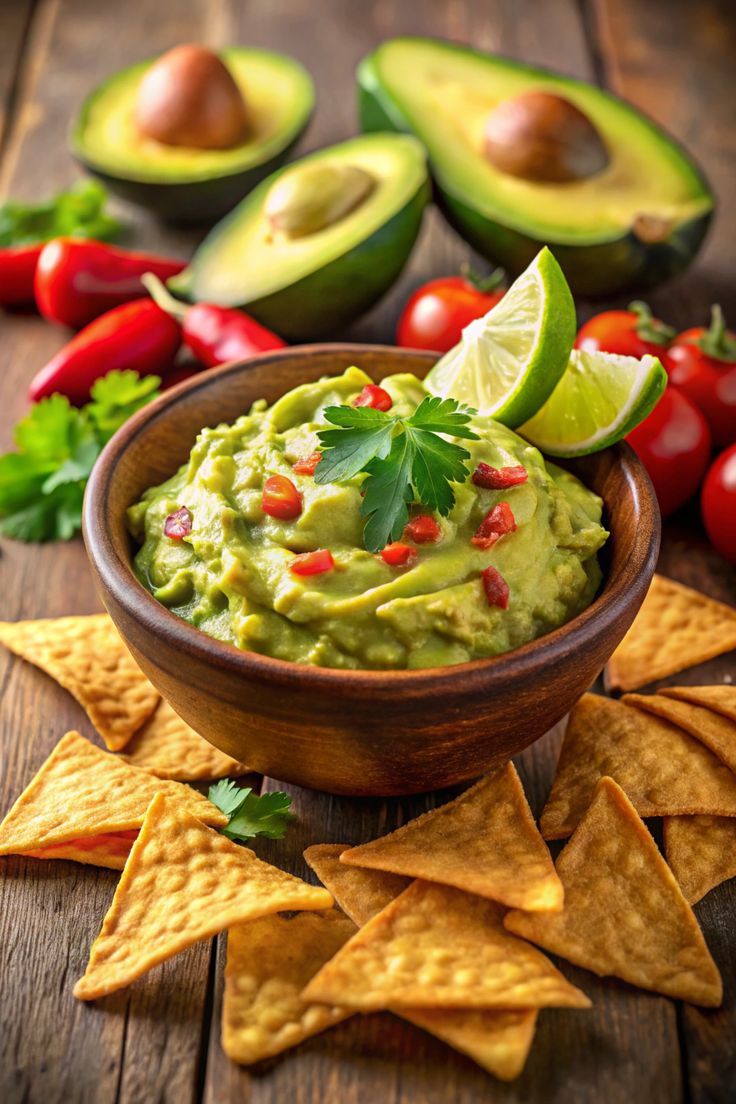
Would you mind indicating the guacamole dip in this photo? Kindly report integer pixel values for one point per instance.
(230, 568)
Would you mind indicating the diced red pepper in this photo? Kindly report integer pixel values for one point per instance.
(495, 587)
(374, 396)
(307, 464)
(312, 563)
(496, 524)
(178, 524)
(497, 479)
(399, 555)
(280, 498)
(423, 529)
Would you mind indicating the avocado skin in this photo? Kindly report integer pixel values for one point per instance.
(623, 264)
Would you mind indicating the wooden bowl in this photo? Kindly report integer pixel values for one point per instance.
(353, 732)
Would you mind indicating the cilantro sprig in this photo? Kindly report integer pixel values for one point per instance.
(42, 483)
(251, 815)
(77, 212)
(404, 458)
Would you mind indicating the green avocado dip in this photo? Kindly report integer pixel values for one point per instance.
(230, 567)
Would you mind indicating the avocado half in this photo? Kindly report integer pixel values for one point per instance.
(194, 185)
(637, 222)
(309, 286)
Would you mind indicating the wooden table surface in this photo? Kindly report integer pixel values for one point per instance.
(159, 1040)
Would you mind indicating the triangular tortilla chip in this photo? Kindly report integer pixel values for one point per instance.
(714, 730)
(483, 842)
(624, 913)
(663, 770)
(701, 851)
(183, 883)
(269, 961)
(675, 628)
(82, 791)
(110, 851)
(437, 947)
(721, 699)
(87, 657)
(498, 1041)
(167, 747)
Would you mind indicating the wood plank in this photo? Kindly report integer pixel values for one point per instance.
(14, 22)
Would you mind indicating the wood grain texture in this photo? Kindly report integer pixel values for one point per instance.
(160, 1041)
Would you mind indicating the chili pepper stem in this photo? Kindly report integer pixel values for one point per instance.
(163, 298)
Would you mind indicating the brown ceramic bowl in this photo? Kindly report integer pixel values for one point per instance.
(355, 732)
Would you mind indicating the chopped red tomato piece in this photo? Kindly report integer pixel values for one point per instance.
(496, 524)
(178, 524)
(307, 464)
(398, 554)
(495, 587)
(374, 396)
(422, 529)
(312, 563)
(497, 479)
(281, 499)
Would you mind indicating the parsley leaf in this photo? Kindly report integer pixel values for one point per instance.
(251, 815)
(77, 212)
(404, 458)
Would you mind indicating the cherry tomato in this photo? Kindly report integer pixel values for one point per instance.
(399, 555)
(633, 332)
(280, 498)
(718, 503)
(497, 523)
(495, 588)
(702, 364)
(312, 563)
(437, 313)
(674, 445)
(422, 529)
(374, 396)
(306, 464)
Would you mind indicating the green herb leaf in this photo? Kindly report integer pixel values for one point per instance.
(388, 493)
(77, 212)
(116, 397)
(437, 464)
(251, 815)
(443, 416)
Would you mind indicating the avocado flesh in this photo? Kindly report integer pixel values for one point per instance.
(444, 94)
(279, 98)
(307, 286)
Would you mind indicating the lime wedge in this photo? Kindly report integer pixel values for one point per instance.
(509, 362)
(600, 399)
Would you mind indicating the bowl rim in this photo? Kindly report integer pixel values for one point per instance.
(117, 577)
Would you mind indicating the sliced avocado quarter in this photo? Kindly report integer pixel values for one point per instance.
(319, 241)
(188, 184)
(636, 221)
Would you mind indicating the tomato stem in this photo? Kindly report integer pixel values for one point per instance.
(648, 327)
(483, 283)
(717, 342)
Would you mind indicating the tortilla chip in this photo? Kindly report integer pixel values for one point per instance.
(663, 770)
(701, 851)
(359, 893)
(87, 657)
(498, 1041)
(167, 747)
(437, 947)
(183, 883)
(109, 850)
(721, 699)
(712, 729)
(484, 842)
(269, 961)
(82, 791)
(675, 628)
(624, 913)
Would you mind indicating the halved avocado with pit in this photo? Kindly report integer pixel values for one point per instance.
(182, 183)
(635, 221)
(319, 241)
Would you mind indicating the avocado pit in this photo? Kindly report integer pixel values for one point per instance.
(313, 197)
(543, 137)
(189, 97)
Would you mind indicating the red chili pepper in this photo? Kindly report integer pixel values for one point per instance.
(496, 524)
(312, 563)
(398, 554)
(138, 335)
(17, 269)
(495, 587)
(375, 397)
(423, 529)
(178, 524)
(497, 479)
(77, 280)
(215, 334)
(280, 498)
(307, 464)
